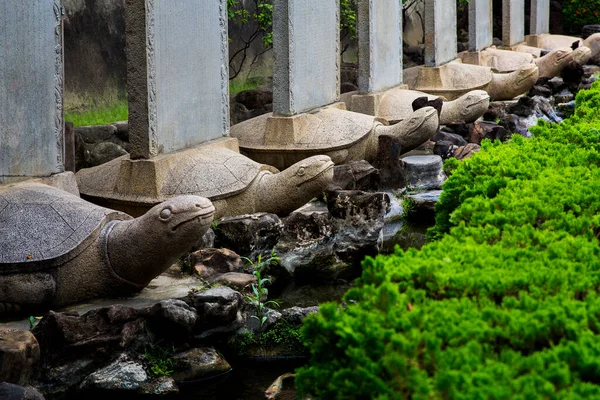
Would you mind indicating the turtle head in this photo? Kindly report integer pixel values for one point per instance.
(143, 248)
(310, 172)
(526, 76)
(181, 215)
(582, 55)
(558, 56)
(295, 186)
(473, 104)
(419, 119)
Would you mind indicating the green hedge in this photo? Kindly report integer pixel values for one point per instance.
(504, 305)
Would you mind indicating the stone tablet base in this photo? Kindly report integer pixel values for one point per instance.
(470, 57)
(367, 103)
(65, 181)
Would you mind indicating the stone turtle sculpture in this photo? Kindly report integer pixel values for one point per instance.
(396, 105)
(454, 79)
(549, 65)
(56, 248)
(343, 135)
(235, 184)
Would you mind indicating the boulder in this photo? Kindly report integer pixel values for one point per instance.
(123, 374)
(209, 262)
(451, 137)
(10, 391)
(466, 151)
(388, 163)
(19, 355)
(249, 235)
(172, 318)
(235, 280)
(480, 130)
(199, 363)
(217, 308)
(355, 175)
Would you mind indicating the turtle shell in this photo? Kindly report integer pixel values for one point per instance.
(42, 226)
(325, 130)
(449, 80)
(212, 172)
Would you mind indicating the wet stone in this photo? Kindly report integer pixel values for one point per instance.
(199, 363)
(10, 391)
(210, 262)
(122, 374)
(466, 151)
(423, 172)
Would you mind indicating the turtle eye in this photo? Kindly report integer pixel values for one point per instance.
(165, 214)
(301, 171)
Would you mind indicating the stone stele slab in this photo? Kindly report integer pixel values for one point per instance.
(440, 32)
(513, 22)
(306, 49)
(480, 24)
(178, 85)
(379, 44)
(31, 101)
(540, 17)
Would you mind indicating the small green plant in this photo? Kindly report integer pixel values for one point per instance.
(160, 360)
(33, 321)
(259, 291)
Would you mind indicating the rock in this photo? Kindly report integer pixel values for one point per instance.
(495, 111)
(523, 107)
(349, 73)
(256, 98)
(355, 175)
(101, 153)
(347, 87)
(249, 235)
(161, 386)
(9, 391)
(425, 200)
(172, 318)
(122, 374)
(466, 151)
(388, 163)
(122, 128)
(480, 130)
(572, 74)
(453, 138)
(282, 388)
(423, 172)
(19, 355)
(307, 244)
(199, 363)
(543, 108)
(96, 134)
(236, 280)
(589, 30)
(61, 379)
(358, 219)
(424, 101)
(540, 91)
(444, 149)
(210, 262)
(514, 124)
(217, 308)
(564, 96)
(295, 315)
(108, 328)
(460, 128)
(556, 84)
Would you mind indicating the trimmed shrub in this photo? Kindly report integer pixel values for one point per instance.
(504, 305)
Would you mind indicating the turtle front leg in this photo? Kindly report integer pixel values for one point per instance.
(26, 291)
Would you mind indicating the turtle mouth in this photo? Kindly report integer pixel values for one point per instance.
(204, 215)
(328, 165)
(486, 98)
